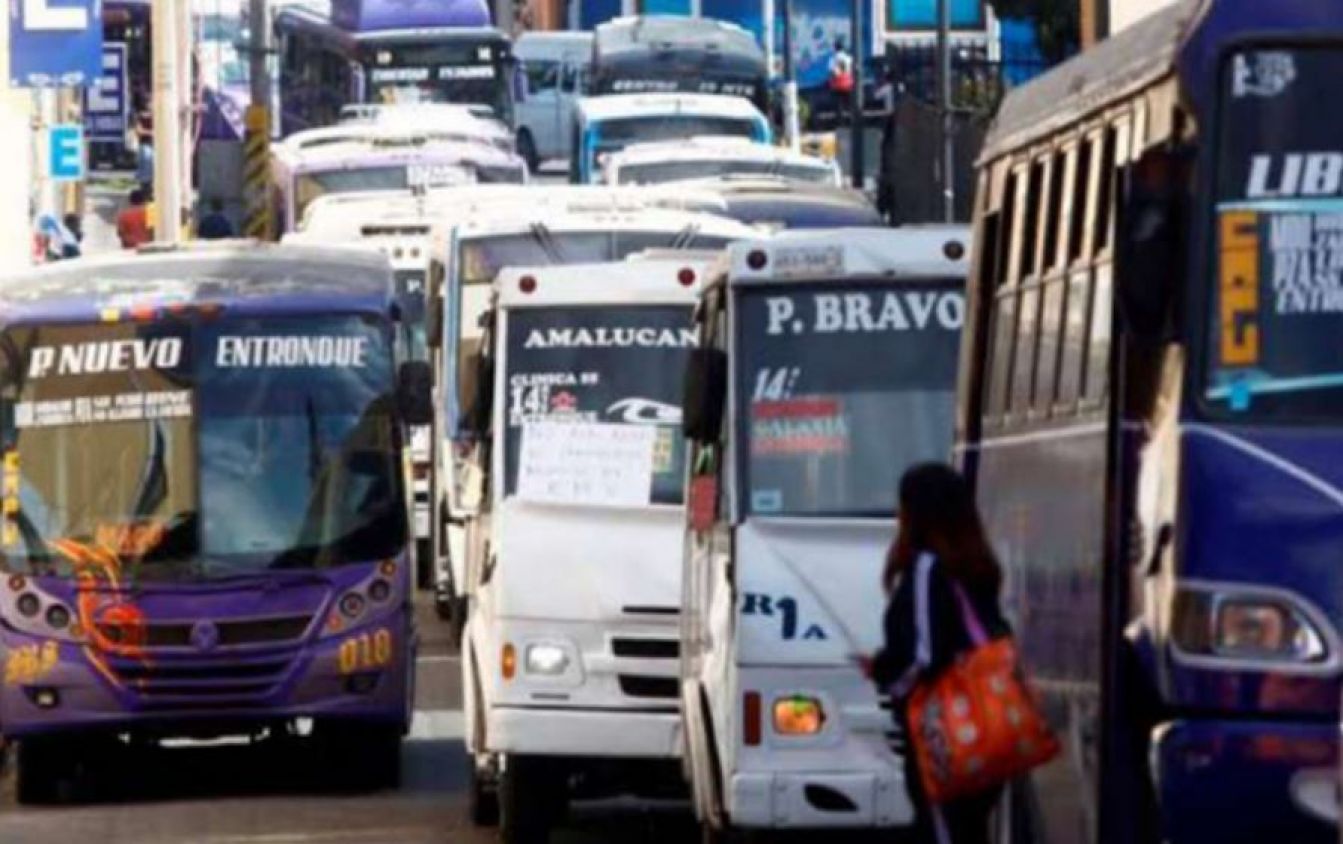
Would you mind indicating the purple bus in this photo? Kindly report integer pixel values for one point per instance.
(391, 51)
(205, 523)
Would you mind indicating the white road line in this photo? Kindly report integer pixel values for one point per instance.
(437, 658)
(437, 725)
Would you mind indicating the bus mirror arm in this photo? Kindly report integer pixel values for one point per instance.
(414, 392)
(705, 398)
(1151, 248)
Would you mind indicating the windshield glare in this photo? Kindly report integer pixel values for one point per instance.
(842, 386)
(1278, 286)
(222, 448)
(592, 405)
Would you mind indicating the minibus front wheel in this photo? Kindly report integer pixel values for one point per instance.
(532, 791)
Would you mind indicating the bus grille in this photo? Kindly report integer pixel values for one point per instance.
(177, 634)
(662, 688)
(646, 648)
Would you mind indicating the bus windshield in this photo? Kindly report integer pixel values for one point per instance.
(617, 134)
(317, 183)
(842, 386)
(1278, 287)
(173, 452)
(661, 172)
(461, 73)
(597, 389)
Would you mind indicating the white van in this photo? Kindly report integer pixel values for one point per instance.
(569, 663)
(556, 65)
(559, 226)
(827, 367)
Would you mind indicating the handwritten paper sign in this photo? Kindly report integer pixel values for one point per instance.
(586, 463)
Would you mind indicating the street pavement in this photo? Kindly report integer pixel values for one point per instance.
(256, 795)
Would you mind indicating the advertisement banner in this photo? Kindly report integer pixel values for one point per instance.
(921, 15)
(106, 104)
(55, 43)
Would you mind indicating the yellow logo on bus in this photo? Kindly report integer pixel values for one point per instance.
(1239, 286)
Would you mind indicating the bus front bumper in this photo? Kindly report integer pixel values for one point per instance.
(53, 687)
(1284, 774)
(608, 733)
(819, 799)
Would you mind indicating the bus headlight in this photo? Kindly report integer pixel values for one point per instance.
(1237, 625)
(798, 715)
(547, 659)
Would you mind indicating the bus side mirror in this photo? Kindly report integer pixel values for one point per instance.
(414, 392)
(1151, 256)
(519, 73)
(479, 398)
(705, 397)
(433, 322)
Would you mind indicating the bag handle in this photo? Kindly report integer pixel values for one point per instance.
(978, 636)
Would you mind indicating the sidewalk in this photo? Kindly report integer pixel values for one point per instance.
(105, 197)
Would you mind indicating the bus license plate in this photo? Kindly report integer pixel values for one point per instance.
(809, 261)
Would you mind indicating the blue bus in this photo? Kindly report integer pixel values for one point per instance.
(206, 523)
(1150, 413)
(387, 52)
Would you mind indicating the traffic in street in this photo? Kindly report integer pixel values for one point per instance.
(550, 423)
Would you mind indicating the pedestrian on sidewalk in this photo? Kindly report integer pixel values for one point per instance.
(133, 222)
(940, 551)
(215, 226)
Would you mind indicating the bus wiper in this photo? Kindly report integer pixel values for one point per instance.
(315, 457)
(685, 236)
(153, 486)
(547, 242)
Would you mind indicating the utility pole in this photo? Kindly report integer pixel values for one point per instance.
(944, 104)
(792, 131)
(767, 36)
(257, 221)
(856, 158)
(168, 134)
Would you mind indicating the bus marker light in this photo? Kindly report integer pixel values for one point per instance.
(757, 259)
(954, 250)
(28, 605)
(58, 616)
(750, 721)
(527, 284)
(352, 604)
(508, 662)
(686, 277)
(143, 313)
(798, 715)
(17, 582)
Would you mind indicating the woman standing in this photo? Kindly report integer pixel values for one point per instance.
(940, 549)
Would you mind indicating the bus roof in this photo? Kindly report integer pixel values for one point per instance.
(641, 220)
(243, 277)
(459, 21)
(617, 106)
(394, 150)
(370, 15)
(648, 35)
(714, 148)
(783, 204)
(1108, 72)
(802, 256)
(635, 281)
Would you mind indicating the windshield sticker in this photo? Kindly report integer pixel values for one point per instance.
(1265, 74)
(641, 411)
(766, 500)
(664, 451)
(1240, 289)
(322, 352)
(587, 463)
(106, 356)
(540, 395)
(482, 71)
(864, 312)
(799, 426)
(125, 407)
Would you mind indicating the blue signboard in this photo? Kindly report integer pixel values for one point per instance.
(905, 15)
(55, 43)
(106, 104)
(65, 153)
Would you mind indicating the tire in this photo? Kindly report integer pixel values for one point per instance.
(482, 797)
(40, 769)
(527, 149)
(527, 800)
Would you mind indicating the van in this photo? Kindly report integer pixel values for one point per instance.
(555, 64)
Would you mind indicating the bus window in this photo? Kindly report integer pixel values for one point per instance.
(1004, 304)
(1051, 305)
(1114, 150)
(1028, 303)
(1085, 198)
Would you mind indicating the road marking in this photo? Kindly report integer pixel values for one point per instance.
(405, 833)
(437, 725)
(437, 658)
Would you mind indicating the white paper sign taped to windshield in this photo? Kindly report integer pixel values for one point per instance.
(587, 463)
